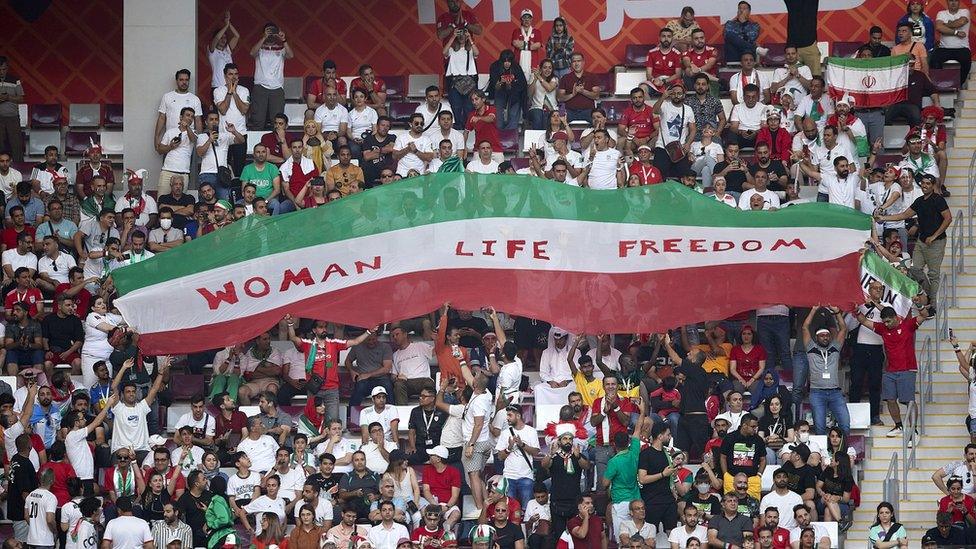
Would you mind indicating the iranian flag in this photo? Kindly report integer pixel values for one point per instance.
(898, 288)
(871, 82)
(630, 260)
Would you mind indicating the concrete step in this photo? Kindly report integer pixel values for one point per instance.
(919, 477)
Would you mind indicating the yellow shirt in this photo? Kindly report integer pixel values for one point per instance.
(718, 364)
(591, 390)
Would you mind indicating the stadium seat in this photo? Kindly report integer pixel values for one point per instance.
(520, 163)
(884, 159)
(77, 142)
(776, 57)
(529, 137)
(296, 114)
(844, 49)
(636, 54)
(396, 87)
(605, 81)
(483, 80)
(945, 79)
(113, 116)
(253, 138)
(624, 81)
(84, 115)
(348, 80)
(615, 106)
(111, 142)
(417, 83)
(831, 528)
(293, 88)
(860, 415)
(508, 140)
(545, 414)
(45, 115)
(39, 139)
(25, 169)
(400, 111)
(894, 137)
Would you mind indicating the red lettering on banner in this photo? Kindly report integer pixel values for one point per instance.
(362, 265)
(625, 246)
(722, 246)
(539, 250)
(334, 269)
(263, 288)
(227, 294)
(515, 246)
(488, 244)
(751, 245)
(696, 245)
(303, 277)
(671, 245)
(648, 245)
(795, 242)
(459, 250)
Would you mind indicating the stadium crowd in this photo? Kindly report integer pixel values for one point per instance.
(655, 433)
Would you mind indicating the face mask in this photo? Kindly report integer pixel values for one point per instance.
(803, 437)
(165, 224)
(702, 488)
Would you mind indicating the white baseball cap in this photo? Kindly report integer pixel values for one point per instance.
(378, 391)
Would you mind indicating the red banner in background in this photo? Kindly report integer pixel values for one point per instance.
(398, 36)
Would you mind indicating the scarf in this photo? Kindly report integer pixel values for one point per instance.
(763, 392)
(137, 205)
(816, 110)
(123, 488)
(312, 420)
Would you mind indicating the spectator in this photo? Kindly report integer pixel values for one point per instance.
(269, 531)
(579, 91)
(802, 19)
(741, 34)
(295, 173)
(604, 170)
(41, 525)
(342, 175)
(825, 394)
(307, 533)
(907, 44)
(875, 44)
(59, 229)
(743, 451)
(919, 162)
(885, 522)
(945, 532)
(782, 499)
(410, 367)
(475, 431)
(485, 163)
(178, 144)
(730, 526)
(11, 138)
(143, 205)
(953, 26)
(654, 474)
(559, 47)
(921, 27)
(746, 118)
(684, 28)
(23, 341)
(412, 149)
(317, 94)
(373, 88)
(586, 528)
(171, 528)
(277, 140)
(166, 236)
(834, 488)
(565, 464)
(261, 368)
(363, 120)
(268, 95)
(220, 53)
(63, 335)
(676, 130)
(378, 149)
(527, 41)
(698, 58)
(380, 413)
(621, 479)
(171, 112)
(126, 531)
(387, 533)
(219, 138)
(749, 75)
(9, 176)
(358, 487)
(461, 76)
(516, 446)
(369, 363)
(663, 65)
(94, 165)
(442, 486)
(232, 102)
(542, 84)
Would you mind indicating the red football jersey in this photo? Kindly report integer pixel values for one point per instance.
(699, 59)
(663, 63)
(641, 121)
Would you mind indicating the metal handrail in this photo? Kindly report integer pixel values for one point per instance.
(924, 381)
(956, 252)
(909, 441)
(889, 487)
(972, 203)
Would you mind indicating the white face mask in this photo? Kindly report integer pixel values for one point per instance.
(165, 224)
(803, 436)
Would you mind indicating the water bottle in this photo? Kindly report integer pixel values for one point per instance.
(613, 113)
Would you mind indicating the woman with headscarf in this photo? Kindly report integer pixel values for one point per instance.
(508, 88)
(312, 423)
(557, 380)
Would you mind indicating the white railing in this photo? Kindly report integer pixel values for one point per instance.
(889, 487)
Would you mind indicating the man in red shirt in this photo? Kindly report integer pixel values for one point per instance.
(95, 166)
(230, 421)
(637, 121)
(770, 523)
(700, 58)
(455, 19)
(9, 234)
(23, 292)
(277, 140)
(315, 96)
(644, 170)
(75, 287)
(373, 87)
(610, 415)
(482, 122)
(578, 90)
(322, 361)
(663, 64)
(527, 43)
(586, 528)
(898, 380)
(442, 486)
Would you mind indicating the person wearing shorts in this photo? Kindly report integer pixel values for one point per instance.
(898, 380)
(475, 423)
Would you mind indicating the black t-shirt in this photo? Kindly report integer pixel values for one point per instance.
(507, 536)
(775, 170)
(778, 425)
(24, 482)
(325, 484)
(734, 178)
(743, 453)
(61, 333)
(711, 506)
(835, 485)
(193, 516)
(919, 86)
(799, 480)
(419, 418)
(531, 334)
(929, 211)
(654, 461)
(179, 220)
(957, 536)
(694, 390)
(801, 22)
(372, 168)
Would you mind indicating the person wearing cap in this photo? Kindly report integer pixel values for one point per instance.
(663, 66)
(441, 485)
(953, 25)
(643, 168)
(823, 357)
(676, 130)
(565, 464)
(379, 412)
(579, 90)
(143, 205)
(527, 43)
(93, 165)
(746, 118)
(944, 532)
(794, 76)
(483, 537)
(851, 132)
(917, 159)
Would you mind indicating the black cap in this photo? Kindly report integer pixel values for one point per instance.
(927, 539)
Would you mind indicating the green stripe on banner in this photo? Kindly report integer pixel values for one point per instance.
(874, 63)
(439, 198)
(889, 275)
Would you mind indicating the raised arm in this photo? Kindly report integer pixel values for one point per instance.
(805, 329)
(158, 384)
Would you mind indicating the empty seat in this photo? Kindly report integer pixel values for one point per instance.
(531, 137)
(47, 115)
(39, 139)
(945, 79)
(605, 81)
(77, 142)
(614, 108)
(293, 88)
(417, 83)
(776, 56)
(636, 54)
(894, 136)
(844, 49)
(296, 114)
(508, 140)
(111, 142)
(400, 111)
(113, 116)
(253, 138)
(624, 81)
(520, 163)
(396, 87)
(84, 115)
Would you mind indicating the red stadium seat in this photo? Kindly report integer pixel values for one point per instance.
(636, 54)
(520, 163)
(605, 80)
(396, 87)
(45, 116)
(844, 49)
(400, 111)
(617, 106)
(945, 79)
(508, 140)
(76, 143)
(113, 116)
(307, 84)
(776, 57)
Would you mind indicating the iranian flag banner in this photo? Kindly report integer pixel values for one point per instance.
(873, 82)
(631, 260)
(898, 288)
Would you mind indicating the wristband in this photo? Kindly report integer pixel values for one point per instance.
(956, 348)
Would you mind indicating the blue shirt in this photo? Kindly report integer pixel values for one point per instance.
(32, 210)
(65, 229)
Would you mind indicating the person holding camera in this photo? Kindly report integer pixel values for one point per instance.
(268, 95)
(461, 73)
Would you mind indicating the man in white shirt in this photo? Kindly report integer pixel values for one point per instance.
(172, 104)
(411, 366)
(444, 129)
(333, 117)
(821, 161)
(126, 531)
(793, 78)
(218, 139)
(9, 177)
(233, 102)
(747, 117)
(81, 532)
(79, 453)
(484, 163)
(604, 170)
(177, 144)
(53, 266)
(842, 184)
(748, 75)
(44, 174)
(675, 124)
(377, 448)
(260, 448)
(817, 106)
(444, 151)
(689, 528)
(953, 26)
(387, 534)
(477, 436)
(39, 508)
(760, 182)
(412, 149)
(291, 477)
(130, 429)
(380, 413)
(782, 499)
(431, 109)
(203, 424)
(517, 446)
(268, 96)
(801, 515)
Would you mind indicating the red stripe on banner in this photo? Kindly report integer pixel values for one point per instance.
(580, 302)
(868, 100)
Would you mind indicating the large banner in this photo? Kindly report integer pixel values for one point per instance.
(631, 260)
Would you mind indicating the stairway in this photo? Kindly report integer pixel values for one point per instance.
(945, 433)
